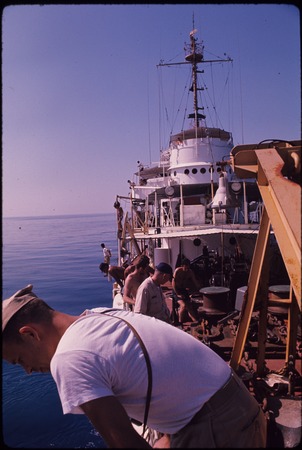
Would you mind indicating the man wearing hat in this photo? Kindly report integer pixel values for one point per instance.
(150, 299)
(107, 362)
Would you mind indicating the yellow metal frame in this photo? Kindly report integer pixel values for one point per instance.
(282, 211)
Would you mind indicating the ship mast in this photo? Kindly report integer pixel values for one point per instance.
(194, 56)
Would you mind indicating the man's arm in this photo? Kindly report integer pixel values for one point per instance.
(127, 297)
(175, 281)
(110, 419)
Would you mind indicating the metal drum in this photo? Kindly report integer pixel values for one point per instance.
(215, 299)
(276, 293)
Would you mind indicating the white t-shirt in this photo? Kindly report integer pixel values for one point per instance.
(106, 252)
(107, 255)
(100, 356)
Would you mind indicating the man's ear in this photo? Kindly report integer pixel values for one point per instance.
(29, 332)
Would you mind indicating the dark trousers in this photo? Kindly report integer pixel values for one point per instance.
(232, 418)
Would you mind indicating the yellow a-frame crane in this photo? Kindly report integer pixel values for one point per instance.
(276, 165)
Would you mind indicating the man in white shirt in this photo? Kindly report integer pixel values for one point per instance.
(150, 299)
(103, 362)
(106, 253)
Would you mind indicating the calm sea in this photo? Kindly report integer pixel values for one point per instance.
(60, 256)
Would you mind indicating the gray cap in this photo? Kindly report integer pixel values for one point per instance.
(13, 304)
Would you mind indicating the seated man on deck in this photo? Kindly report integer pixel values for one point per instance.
(184, 284)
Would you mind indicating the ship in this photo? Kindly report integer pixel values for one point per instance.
(191, 204)
(226, 208)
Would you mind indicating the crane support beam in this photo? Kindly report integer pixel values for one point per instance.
(251, 294)
(277, 170)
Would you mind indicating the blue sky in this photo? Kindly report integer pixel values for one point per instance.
(80, 92)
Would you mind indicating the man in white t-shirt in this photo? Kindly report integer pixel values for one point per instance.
(106, 253)
(99, 361)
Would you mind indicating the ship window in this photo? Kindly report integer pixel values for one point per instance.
(211, 169)
(197, 242)
(218, 169)
(175, 173)
(202, 170)
(186, 171)
(194, 171)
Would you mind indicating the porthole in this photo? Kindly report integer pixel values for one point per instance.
(175, 173)
(218, 169)
(202, 170)
(186, 171)
(194, 171)
(211, 169)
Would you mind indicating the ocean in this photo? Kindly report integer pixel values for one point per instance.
(60, 257)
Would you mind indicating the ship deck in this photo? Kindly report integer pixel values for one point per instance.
(279, 389)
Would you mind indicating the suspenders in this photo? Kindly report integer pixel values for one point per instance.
(149, 369)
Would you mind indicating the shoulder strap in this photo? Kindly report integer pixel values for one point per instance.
(149, 369)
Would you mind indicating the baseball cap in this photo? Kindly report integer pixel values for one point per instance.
(13, 304)
(165, 268)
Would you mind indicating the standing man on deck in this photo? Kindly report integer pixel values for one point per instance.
(146, 262)
(106, 253)
(150, 299)
(134, 280)
(119, 216)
